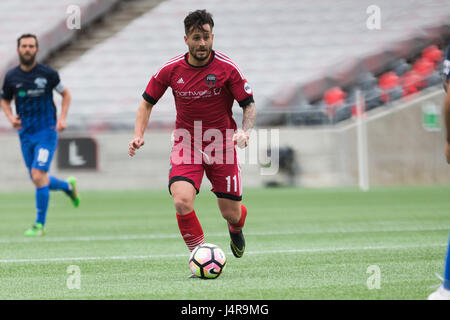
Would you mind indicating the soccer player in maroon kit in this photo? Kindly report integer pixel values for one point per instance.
(205, 84)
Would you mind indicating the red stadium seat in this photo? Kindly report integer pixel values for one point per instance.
(388, 80)
(410, 82)
(432, 54)
(424, 67)
(334, 96)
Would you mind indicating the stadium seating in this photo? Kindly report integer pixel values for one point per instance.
(400, 67)
(390, 86)
(305, 113)
(334, 99)
(287, 44)
(432, 54)
(401, 80)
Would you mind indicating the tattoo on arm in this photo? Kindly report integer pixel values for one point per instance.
(249, 117)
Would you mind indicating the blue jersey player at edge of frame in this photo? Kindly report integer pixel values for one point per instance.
(443, 292)
(31, 85)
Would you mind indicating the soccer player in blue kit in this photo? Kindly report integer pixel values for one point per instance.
(443, 292)
(31, 84)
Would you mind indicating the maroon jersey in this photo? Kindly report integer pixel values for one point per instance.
(204, 93)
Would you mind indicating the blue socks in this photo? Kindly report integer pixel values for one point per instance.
(56, 184)
(42, 197)
(447, 268)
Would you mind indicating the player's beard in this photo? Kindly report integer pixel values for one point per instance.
(193, 51)
(27, 60)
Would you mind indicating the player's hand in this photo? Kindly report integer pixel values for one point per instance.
(241, 138)
(61, 125)
(16, 122)
(447, 152)
(135, 144)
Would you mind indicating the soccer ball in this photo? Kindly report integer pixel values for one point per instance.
(207, 261)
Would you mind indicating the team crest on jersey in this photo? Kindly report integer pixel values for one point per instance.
(211, 80)
(40, 83)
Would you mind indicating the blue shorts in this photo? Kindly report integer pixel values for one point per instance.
(38, 149)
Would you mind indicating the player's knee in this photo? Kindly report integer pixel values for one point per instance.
(231, 215)
(39, 177)
(183, 205)
(231, 210)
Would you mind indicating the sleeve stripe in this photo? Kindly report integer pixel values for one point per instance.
(59, 87)
(172, 61)
(220, 57)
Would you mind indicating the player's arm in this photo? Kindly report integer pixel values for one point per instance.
(446, 111)
(65, 104)
(242, 93)
(153, 92)
(7, 93)
(249, 117)
(248, 121)
(142, 119)
(15, 120)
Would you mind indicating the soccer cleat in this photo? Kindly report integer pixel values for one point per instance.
(74, 196)
(37, 230)
(237, 243)
(440, 294)
(193, 276)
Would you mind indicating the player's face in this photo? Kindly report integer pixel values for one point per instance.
(27, 51)
(200, 43)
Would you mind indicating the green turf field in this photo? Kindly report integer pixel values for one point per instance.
(301, 244)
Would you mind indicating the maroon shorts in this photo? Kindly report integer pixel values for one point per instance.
(225, 177)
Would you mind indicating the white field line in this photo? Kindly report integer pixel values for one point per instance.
(158, 256)
(177, 235)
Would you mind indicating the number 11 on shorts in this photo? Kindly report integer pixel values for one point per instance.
(228, 178)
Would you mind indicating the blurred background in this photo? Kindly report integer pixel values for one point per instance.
(307, 62)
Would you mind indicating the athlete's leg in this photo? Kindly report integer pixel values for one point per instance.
(184, 184)
(235, 213)
(40, 180)
(41, 194)
(227, 185)
(446, 283)
(231, 211)
(43, 154)
(69, 187)
(56, 184)
(443, 292)
(183, 194)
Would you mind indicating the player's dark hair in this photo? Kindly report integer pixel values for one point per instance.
(27, 35)
(196, 20)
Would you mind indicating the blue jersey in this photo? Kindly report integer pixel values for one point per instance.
(446, 64)
(33, 95)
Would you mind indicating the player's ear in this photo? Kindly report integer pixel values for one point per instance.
(185, 39)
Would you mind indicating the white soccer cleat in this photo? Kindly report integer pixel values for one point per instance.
(440, 294)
